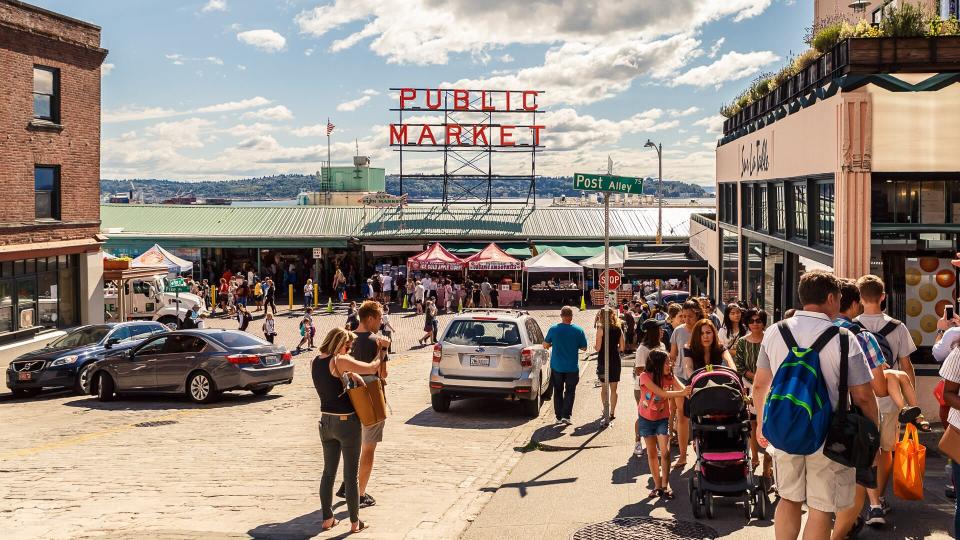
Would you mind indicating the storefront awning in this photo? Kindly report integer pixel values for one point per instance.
(492, 258)
(514, 249)
(576, 250)
(436, 257)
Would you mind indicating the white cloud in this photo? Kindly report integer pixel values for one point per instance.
(568, 130)
(131, 113)
(355, 104)
(315, 130)
(729, 67)
(715, 48)
(264, 39)
(684, 112)
(215, 5)
(177, 59)
(712, 124)
(506, 58)
(215, 60)
(241, 67)
(308, 52)
(249, 130)
(276, 113)
(106, 68)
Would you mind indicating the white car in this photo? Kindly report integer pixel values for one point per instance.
(491, 352)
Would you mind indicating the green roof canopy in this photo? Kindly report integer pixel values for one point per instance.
(514, 249)
(575, 250)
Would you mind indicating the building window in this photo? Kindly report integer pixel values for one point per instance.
(780, 209)
(755, 273)
(46, 185)
(747, 190)
(46, 93)
(727, 194)
(800, 209)
(730, 286)
(39, 293)
(762, 216)
(825, 213)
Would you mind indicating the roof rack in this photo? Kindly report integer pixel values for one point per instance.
(496, 310)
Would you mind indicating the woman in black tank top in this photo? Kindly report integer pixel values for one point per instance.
(340, 429)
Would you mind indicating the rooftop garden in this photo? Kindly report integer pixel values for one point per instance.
(906, 21)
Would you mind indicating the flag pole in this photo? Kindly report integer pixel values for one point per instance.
(328, 150)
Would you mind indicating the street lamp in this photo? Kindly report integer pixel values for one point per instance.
(859, 6)
(659, 149)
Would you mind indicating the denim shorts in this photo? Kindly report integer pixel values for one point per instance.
(650, 428)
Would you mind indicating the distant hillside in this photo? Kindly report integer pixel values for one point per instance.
(286, 186)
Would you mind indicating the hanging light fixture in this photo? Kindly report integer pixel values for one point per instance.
(859, 6)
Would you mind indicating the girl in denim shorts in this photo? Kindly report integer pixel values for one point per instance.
(657, 387)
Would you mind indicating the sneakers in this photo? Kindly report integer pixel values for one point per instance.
(875, 517)
(638, 449)
(367, 501)
(567, 421)
(885, 506)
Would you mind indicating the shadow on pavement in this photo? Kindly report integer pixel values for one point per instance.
(631, 470)
(473, 413)
(305, 526)
(46, 395)
(166, 402)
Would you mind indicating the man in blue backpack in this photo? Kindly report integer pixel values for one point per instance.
(801, 471)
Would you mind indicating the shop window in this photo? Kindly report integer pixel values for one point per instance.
(46, 93)
(882, 201)
(727, 194)
(800, 209)
(730, 289)
(67, 294)
(780, 210)
(825, 213)
(755, 273)
(46, 184)
(47, 299)
(747, 190)
(772, 280)
(933, 203)
(762, 216)
(6, 305)
(26, 302)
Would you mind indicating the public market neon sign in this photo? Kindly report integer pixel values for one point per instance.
(459, 134)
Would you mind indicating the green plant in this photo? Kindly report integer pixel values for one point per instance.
(943, 27)
(906, 20)
(862, 29)
(803, 61)
(827, 37)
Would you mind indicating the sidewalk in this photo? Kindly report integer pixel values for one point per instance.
(574, 476)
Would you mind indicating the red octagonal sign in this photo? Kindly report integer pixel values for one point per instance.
(614, 278)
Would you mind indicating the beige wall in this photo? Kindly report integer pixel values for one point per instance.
(916, 131)
(705, 243)
(91, 288)
(823, 9)
(803, 143)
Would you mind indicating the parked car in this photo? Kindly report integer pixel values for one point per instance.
(63, 361)
(491, 352)
(667, 297)
(201, 363)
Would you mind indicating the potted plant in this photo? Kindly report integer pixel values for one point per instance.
(120, 263)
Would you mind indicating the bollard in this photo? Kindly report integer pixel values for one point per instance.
(460, 306)
(583, 303)
(213, 299)
(290, 295)
(316, 292)
(404, 306)
(329, 305)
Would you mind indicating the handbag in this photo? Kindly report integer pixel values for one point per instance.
(368, 400)
(950, 443)
(852, 439)
(909, 464)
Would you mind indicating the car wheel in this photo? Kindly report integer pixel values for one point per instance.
(262, 391)
(531, 407)
(26, 392)
(440, 402)
(105, 387)
(200, 388)
(82, 381)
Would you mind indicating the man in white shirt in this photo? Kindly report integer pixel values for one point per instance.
(387, 281)
(824, 485)
(427, 283)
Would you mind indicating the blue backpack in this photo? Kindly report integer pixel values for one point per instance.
(796, 416)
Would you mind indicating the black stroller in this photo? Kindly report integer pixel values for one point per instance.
(720, 423)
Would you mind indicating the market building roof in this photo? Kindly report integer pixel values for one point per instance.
(334, 226)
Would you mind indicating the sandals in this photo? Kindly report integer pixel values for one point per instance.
(662, 493)
(922, 424)
(361, 526)
(654, 493)
(334, 524)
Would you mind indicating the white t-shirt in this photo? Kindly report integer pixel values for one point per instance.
(806, 327)
(901, 344)
(680, 337)
(640, 361)
(418, 293)
(950, 370)
(946, 344)
(387, 282)
(726, 339)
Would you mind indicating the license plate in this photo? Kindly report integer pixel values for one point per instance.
(483, 361)
(25, 376)
(271, 360)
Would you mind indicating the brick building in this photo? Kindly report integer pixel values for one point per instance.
(50, 264)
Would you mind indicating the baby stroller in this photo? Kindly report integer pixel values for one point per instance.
(721, 438)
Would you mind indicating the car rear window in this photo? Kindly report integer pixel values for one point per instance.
(483, 333)
(236, 339)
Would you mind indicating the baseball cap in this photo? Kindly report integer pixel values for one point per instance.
(650, 324)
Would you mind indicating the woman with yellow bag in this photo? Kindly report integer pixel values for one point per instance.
(950, 443)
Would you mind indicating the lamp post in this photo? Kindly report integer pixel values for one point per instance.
(659, 149)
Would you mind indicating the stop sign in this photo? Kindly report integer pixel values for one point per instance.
(613, 276)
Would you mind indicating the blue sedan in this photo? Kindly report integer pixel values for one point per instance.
(61, 363)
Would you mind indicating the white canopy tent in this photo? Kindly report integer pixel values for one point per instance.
(157, 256)
(550, 262)
(618, 254)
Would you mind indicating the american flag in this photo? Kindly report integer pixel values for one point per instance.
(330, 127)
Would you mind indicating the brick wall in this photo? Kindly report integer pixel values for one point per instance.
(28, 36)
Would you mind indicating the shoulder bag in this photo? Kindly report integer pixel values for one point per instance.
(853, 439)
(368, 400)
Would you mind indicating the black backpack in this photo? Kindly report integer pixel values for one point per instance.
(881, 337)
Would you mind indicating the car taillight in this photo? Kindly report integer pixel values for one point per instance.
(287, 356)
(526, 358)
(243, 359)
(437, 353)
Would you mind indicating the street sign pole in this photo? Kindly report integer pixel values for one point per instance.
(606, 295)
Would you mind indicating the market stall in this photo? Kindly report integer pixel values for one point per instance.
(493, 260)
(561, 283)
(617, 258)
(159, 257)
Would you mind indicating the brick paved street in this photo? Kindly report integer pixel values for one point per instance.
(72, 467)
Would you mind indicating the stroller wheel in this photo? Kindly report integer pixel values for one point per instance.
(763, 506)
(696, 504)
(708, 499)
(747, 503)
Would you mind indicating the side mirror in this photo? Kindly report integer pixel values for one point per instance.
(110, 343)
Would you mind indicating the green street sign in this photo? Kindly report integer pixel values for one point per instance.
(177, 285)
(606, 182)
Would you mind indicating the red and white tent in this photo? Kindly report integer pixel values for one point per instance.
(492, 258)
(436, 257)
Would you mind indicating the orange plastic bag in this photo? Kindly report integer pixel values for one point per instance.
(909, 464)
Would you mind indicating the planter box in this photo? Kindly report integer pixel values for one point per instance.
(921, 54)
(115, 264)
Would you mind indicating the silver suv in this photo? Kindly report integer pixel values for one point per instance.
(491, 352)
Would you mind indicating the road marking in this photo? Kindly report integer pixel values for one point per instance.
(86, 437)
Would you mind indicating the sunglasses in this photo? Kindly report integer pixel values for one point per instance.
(755, 321)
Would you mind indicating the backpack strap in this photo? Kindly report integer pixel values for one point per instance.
(888, 328)
(788, 338)
(844, 353)
(825, 338)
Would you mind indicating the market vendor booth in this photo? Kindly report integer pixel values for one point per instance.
(558, 280)
(502, 270)
(617, 257)
(435, 259)
(156, 256)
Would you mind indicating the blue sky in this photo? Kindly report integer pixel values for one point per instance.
(217, 89)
